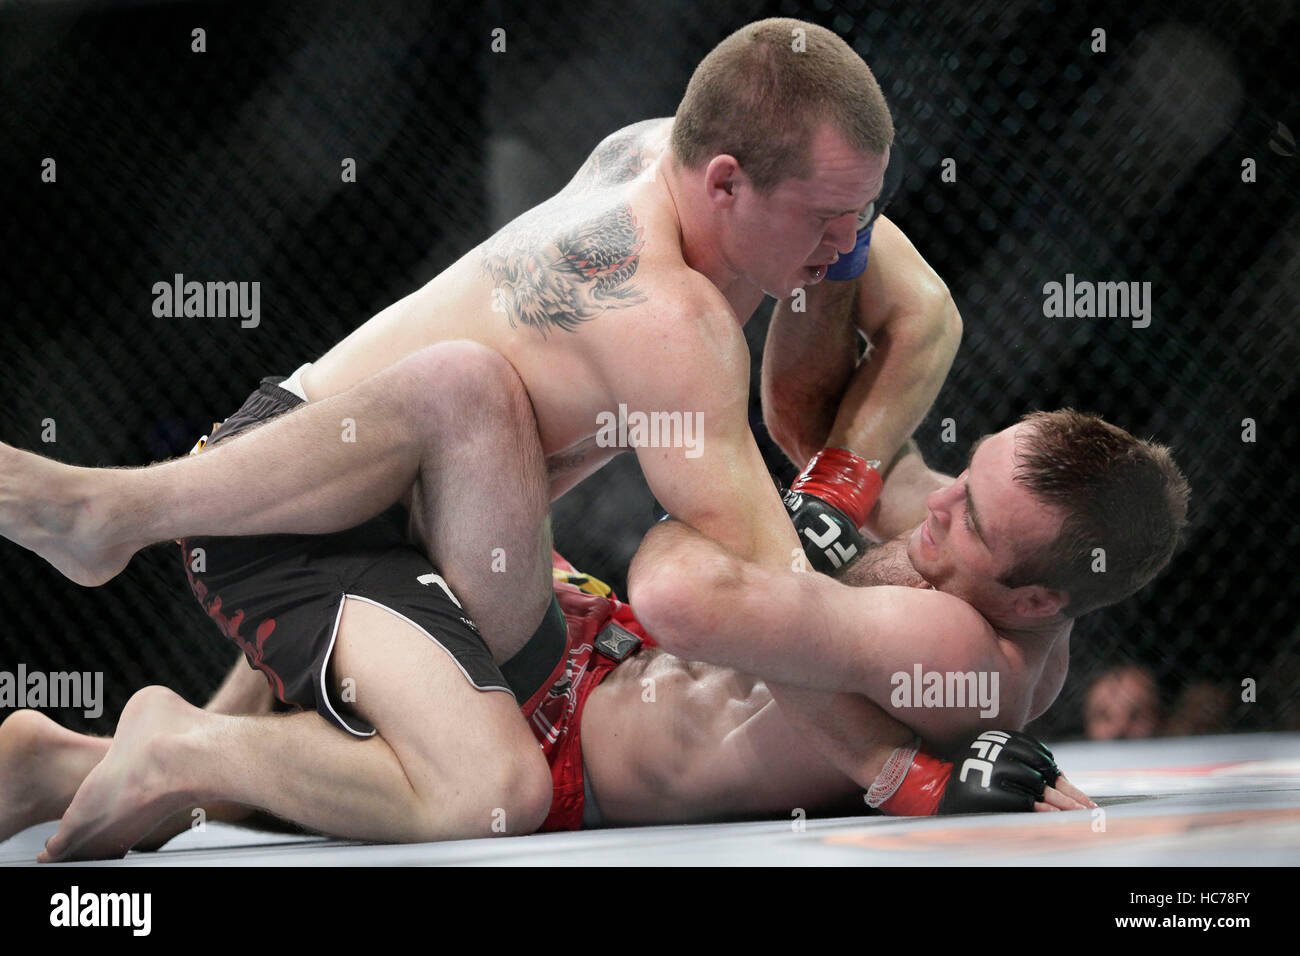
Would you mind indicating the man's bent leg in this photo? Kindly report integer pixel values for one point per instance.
(245, 692)
(447, 761)
(440, 415)
(493, 539)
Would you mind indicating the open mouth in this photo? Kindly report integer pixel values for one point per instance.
(817, 271)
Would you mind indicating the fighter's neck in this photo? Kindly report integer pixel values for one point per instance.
(701, 250)
(887, 564)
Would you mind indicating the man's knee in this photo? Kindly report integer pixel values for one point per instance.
(470, 384)
(506, 793)
(524, 785)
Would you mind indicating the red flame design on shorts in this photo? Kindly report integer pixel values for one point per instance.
(231, 625)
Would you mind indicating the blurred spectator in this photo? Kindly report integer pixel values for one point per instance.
(1122, 702)
(1204, 707)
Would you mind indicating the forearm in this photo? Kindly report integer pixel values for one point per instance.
(701, 602)
(801, 425)
(726, 496)
(893, 388)
(852, 733)
(878, 753)
(808, 361)
(901, 506)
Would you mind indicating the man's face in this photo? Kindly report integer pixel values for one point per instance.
(981, 526)
(784, 240)
(1122, 704)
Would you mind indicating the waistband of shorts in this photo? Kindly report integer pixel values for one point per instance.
(267, 401)
(283, 391)
(269, 398)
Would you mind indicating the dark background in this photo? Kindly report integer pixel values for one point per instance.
(1117, 166)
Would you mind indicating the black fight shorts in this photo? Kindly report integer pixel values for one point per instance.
(280, 597)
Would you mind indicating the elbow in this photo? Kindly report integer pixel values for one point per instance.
(934, 327)
(682, 603)
(947, 326)
(931, 337)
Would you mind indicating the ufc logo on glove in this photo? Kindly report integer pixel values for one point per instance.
(988, 745)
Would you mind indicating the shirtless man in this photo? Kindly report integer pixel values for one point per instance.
(708, 743)
(626, 289)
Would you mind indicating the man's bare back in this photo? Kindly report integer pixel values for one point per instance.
(712, 743)
(607, 245)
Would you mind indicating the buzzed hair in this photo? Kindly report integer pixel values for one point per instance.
(762, 93)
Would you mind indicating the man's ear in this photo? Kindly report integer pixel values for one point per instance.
(720, 177)
(1033, 600)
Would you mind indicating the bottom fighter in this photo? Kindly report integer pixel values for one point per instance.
(660, 739)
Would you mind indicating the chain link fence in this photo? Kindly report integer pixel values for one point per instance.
(1163, 158)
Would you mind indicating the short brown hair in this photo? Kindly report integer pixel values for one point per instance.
(757, 98)
(1119, 494)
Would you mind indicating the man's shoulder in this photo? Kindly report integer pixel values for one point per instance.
(686, 314)
(683, 343)
(623, 155)
(639, 129)
(960, 640)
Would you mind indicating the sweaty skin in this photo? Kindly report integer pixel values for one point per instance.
(607, 248)
(592, 302)
(853, 641)
(706, 743)
(609, 295)
(712, 743)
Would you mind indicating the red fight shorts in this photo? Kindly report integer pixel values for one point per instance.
(602, 633)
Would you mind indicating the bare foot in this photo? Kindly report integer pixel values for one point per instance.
(165, 832)
(59, 512)
(132, 790)
(41, 767)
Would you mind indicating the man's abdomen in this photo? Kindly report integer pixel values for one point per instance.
(669, 740)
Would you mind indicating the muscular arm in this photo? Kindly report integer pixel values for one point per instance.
(815, 394)
(908, 483)
(809, 631)
(854, 734)
(718, 485)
